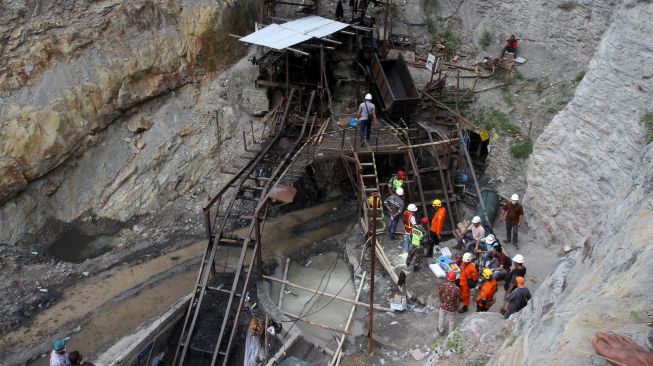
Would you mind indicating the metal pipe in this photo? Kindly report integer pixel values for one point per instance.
(370, 325)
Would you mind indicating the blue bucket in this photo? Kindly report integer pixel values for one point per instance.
(353, 122)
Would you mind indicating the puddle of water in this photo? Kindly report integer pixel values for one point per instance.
(332, 313)
(74, 246)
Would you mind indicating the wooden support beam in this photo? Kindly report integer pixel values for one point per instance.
(310, 322)
(444, 142)
(283, 285)
(336, 358)
(323, 293)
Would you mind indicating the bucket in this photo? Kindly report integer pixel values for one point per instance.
(353, 122)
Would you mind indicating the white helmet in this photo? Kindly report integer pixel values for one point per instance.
(518, 258)
(400, 191)
(514, 197)
(476, 220)
(412, 207)
(368, 96)
(490, 239)
(467, 257)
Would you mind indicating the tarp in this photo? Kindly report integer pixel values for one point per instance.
(280, 36)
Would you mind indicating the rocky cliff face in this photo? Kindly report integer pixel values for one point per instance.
(71, 69)
(591, 186)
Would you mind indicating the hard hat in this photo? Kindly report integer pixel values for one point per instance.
(451, 276)
(514, 197)
(59, 345)
(467, 257)
(401, 174)
(520, 281)
(487, 273)
(437, 203)
(424, 220)
(368, 96)
(400, 191)
(412, 207)
(518, 258)
(490, 239)
(476, 220)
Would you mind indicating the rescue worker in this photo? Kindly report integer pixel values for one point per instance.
(366, 116)
(475, 232)
(485, 298)
(340, 11)
(437, 224)
(409, 222)
(59, 356)
(511, 46)
(509, 283)
(513, 215)
(418, 240)
(449, 296)
(397, 181)
(395, 205)
(468, 279)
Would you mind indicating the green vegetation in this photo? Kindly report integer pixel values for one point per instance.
(635, 315)
(449, 38)
(494, 119)
(568, 5)
(647, 120)
(557, 107)
(430, 5)
(455, 342)
(539, 87)
(430, 24)
(580, 76)
(522, 149)
(506, 93)
(486, 39)
(517, 75)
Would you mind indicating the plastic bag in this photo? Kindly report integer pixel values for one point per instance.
(353, 122)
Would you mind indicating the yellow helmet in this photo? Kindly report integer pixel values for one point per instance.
(437, 203)
(487, 273)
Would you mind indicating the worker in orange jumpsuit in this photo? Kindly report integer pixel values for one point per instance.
(485, 299)
(437, 224)
(468, 280)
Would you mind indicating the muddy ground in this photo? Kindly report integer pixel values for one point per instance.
(113, 301)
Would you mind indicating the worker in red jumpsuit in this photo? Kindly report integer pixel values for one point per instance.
(468, 280)
(511, 46)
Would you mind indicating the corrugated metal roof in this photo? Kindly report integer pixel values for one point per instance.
(280, 36)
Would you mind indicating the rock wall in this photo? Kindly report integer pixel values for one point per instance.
(68, 69)
(71, 70)
(591, 186)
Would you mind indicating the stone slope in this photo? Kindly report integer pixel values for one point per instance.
(591, 186)
(69, 69)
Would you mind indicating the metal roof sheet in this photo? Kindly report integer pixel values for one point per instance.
(280, 36)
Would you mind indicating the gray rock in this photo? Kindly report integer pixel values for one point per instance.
(255, 101)
(141, 124)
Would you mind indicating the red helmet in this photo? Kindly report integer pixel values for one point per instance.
(424, 220)
(451, 276)
(401, 174)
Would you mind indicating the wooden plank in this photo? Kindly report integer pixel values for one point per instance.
(323, 293)
(283, 285)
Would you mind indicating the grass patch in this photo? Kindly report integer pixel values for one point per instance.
(449, 38)
(430, 24)
(522, 149)
(455, 342)
(568, 5)
(494, 119)
(540, 87)
(647, 120)
(580, 76)
(506, 93)
(486, 39)
(517, 75)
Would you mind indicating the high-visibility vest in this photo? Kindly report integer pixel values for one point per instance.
(408, 227)
(395, 183)
(417, 235)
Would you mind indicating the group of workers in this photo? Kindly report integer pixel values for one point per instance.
(483, 253)
(60, 357)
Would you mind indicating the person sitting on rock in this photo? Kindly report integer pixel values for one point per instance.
(485, 298)
(475, 232)
(511, 46)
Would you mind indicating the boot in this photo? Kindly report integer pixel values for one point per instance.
(463, 310)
